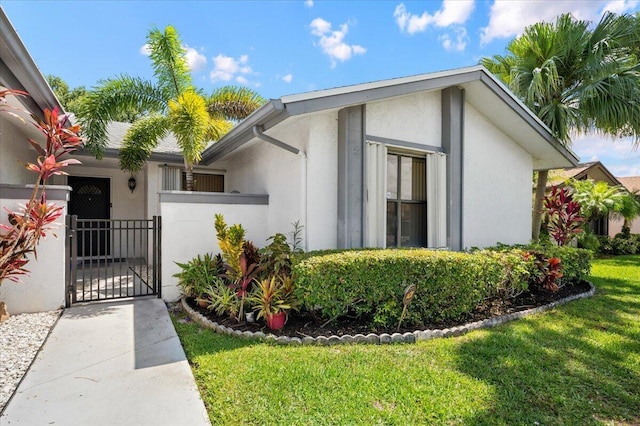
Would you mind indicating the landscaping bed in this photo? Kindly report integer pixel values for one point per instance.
(308, 325)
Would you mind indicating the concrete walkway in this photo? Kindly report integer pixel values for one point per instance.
(117, 363)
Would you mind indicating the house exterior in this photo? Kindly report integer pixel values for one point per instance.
(438, 160)
(460, 130)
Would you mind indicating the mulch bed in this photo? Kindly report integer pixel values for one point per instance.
(301, 325)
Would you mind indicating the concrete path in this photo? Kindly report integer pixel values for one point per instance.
(117, 363)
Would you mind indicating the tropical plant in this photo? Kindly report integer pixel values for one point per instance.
(596, 199)
(36, 218)
(271, 296)
(245, 275)
(231, 243)
(628, 210)
(546, 272)
(576, 79)
(563, 213)
(223, 299)
(276, 256)
(197, 275)
(172, 104)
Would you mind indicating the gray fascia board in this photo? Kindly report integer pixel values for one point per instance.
(18, 60)
(212, 198)
(370, 94)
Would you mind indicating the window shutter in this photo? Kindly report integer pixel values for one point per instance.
(171, 178)
(376, 210)
(437, 200)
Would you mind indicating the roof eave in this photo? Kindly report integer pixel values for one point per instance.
(268, 115)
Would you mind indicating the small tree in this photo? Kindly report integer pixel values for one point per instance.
(35, 219)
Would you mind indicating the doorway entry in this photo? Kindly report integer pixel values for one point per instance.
(91, 202)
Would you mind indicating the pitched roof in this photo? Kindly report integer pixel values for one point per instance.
(482, 90)
(632, 183)
(593, 170)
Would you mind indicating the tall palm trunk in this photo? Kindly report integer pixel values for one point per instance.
(188, 172)
(537, 204)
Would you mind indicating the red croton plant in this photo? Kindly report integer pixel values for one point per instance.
(20, 237)
(565, 220)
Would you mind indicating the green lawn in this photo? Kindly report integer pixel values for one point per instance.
(578, 364)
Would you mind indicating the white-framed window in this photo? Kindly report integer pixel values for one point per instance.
(406, 203)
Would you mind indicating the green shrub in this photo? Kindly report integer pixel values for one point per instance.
(370, 283)
(620, 244)
(576, 262)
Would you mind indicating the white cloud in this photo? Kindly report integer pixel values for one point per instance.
(617, 155)
(195, 59)
(226, 68)
(288, 78)
(509, 18)
(332, 42)
(308, 3)
(145, 49)
(456, 44)
(452, 12)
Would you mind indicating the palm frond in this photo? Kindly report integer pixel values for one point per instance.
(233, 102)
(189, 123)
(169, 61)
(140, 140)
(108, 101)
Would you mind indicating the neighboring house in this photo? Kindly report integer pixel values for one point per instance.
(632, 184)
(597, 172)
(439, 160)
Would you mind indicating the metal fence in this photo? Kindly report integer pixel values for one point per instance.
(112, 258)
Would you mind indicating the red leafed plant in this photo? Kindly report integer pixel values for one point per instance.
(546, 271)
(36, 218)
(565, 220)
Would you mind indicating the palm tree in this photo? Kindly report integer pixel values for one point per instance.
(575, 79)
(172, 104)
(629, 209)
(596, 199)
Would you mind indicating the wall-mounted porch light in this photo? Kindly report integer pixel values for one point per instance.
(132, 183)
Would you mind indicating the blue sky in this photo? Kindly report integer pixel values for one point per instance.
(279, 48)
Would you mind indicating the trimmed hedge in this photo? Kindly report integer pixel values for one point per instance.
(450, 285)
(371, 283)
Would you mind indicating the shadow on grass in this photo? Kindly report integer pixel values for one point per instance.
(576, 365)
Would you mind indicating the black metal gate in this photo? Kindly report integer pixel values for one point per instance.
(129, 268)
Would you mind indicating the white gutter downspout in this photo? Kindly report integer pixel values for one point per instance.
(258, 133)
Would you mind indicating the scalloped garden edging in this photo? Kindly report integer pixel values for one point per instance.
(382, 338)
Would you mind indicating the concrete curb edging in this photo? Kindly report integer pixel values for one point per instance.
(383, 338)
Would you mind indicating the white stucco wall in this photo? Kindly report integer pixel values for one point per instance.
(414, 118)
(44, 288)
(496, 185)
(15, 151)
(615, 226)
(262, 168)
(188, 230)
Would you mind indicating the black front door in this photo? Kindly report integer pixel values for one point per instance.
(91, 202)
